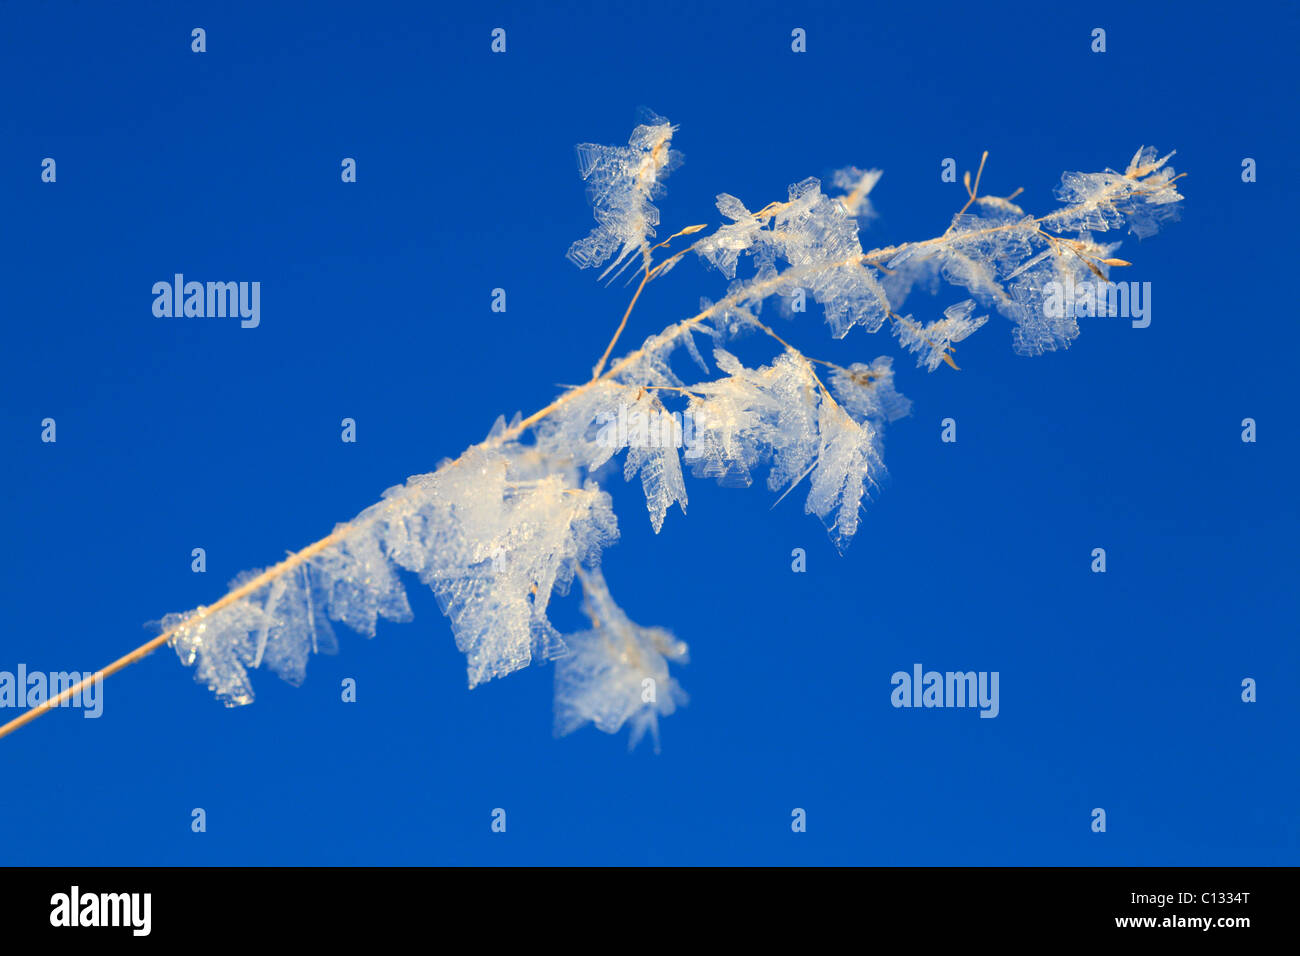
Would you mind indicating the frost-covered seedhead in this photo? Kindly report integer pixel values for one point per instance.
(1142, 196)
(1021, 265)
(617, 672)
(621, 182)
(857, 185)
(867, 392)
(723, 248)
(934, 341)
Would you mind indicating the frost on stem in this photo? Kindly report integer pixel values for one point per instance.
(1013, 262)
(1143, 196)
(493, 534)
(621, 181)
(504, 529)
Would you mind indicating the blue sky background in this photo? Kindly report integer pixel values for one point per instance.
(1119, 691)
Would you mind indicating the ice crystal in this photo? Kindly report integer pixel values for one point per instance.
(755, 416)
(848, 464)
(868, 392)
(934, 341)
(617, 672)
(621, 182)
(818, 238)
(654, 455)
(857, 185)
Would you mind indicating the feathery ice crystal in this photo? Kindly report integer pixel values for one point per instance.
(621, 182)
(510, 523)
